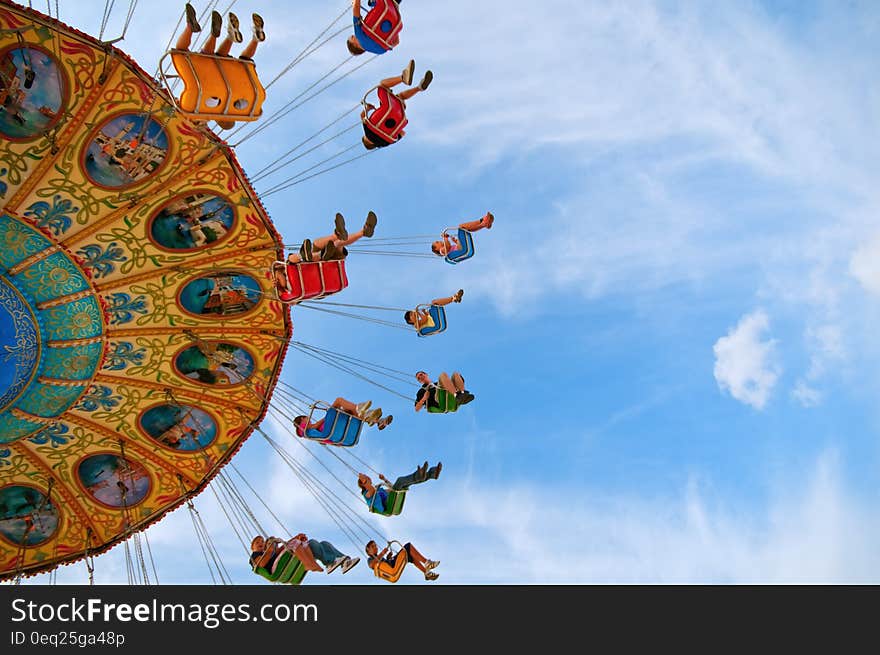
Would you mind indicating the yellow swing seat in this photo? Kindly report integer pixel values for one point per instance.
(217, 87)
(392, 573)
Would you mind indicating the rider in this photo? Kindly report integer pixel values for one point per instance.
(383, 36)
(427, 394)
(360, 410)
(421, 318)
(372, 139)
(414, 557)
(449, 243)
(377, 496)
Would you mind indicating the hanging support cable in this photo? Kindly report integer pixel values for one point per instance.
(354, 373)
(265, 172)
(287, 457)
(335, 509)
(293, 180)
(349, 357)
(326, 170)
(281, 113)
(306, 52)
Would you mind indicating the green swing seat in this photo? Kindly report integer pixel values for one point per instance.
(394, 504)
(286, 569)
(446, 402)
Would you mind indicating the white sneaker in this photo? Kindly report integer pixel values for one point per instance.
(336, 563)
(349, 564)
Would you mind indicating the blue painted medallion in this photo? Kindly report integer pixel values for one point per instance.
(19, 343)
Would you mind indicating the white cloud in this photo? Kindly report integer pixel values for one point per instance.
(806, 395)
(865, 265)
(745, 363)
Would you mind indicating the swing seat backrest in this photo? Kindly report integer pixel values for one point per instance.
(286, 569)
(466, 251)
(446, 402)
(312, 280)
(438, 316)
(393, 504)
(384, 10)
(340, 429)
(216, 87)
(389, 118)
(391, 573)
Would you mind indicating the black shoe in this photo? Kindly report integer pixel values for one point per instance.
(330, 253)
(339, 225)
(305, 251)
(464, 397)
(435, 472)
(426, 81)
(370, 224)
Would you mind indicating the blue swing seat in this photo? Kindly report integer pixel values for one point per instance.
(466, 249)
(438, 316)
(340, 429)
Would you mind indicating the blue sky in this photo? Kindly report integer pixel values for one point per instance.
(670, 331)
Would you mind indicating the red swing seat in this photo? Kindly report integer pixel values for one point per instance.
(389, 118)
(311, 280)
(384, 10)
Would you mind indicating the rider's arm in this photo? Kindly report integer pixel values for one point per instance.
(356, 8)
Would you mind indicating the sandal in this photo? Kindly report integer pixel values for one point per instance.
(458, 295)
(408, 72)
(431, 575)
(370, 224)
(191, 19)
(259, 34)
(385, 422)
(232, 30)
(426, 81)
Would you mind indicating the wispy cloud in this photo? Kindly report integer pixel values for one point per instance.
(745, 362)
(483, 534)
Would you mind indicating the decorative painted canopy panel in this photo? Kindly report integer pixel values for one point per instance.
(139, 338)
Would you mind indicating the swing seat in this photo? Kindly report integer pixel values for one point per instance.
(286, 569)
(438, 316)
(383, 10)
(340, 429)
(392, 573)
(394, 504)
(215, 87)
(445, 400)
(311, 280)
(466, 249)
(389, 118)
